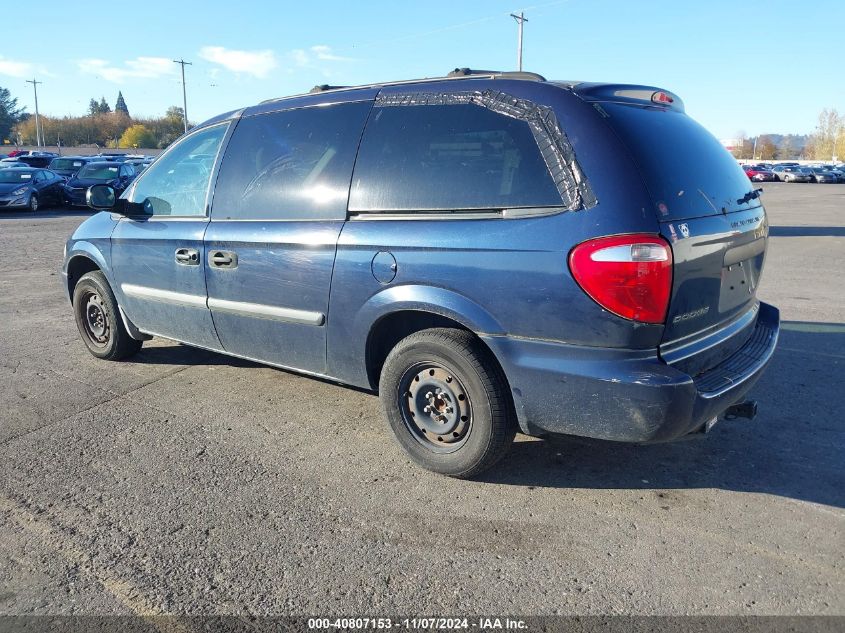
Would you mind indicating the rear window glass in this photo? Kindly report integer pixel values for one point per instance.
(65, 163)
(687, 171)
(98, 172)
(449, 157)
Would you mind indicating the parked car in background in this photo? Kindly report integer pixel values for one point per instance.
(355, 234)
(37, 160)
(758, 174)
(839, 172)
(67, 166)
(29, 188)
(113, 157)
(11, 162)
(140, 163)
(116, 175)
(821, 175)
(791, 173)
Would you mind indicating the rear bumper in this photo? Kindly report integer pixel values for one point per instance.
(625, 395)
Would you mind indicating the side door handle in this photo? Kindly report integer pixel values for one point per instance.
(187, 256)
(223, 259)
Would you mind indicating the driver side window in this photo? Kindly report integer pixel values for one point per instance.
(177, 183)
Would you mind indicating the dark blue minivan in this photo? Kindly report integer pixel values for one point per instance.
(490, 252)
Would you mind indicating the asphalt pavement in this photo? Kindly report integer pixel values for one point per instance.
(186, 482)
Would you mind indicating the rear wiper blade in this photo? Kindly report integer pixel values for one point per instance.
(751, 195)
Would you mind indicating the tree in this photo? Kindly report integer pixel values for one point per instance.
(10, 113)
(824, 143)
(786, 150)
(104, 106)
(766, 149)
(120, 104)
(137, 136)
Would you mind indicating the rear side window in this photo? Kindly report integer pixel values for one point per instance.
(446, 158)
(290, 165)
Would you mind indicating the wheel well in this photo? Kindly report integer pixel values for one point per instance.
(389, 330)
(77, 267)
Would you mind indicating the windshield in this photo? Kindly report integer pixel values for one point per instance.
(66, 163)
(15, 175)
(98, 172)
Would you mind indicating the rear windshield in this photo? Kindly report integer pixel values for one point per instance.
(66, 163)
(99, 171)
(687, 171)
(15, 175)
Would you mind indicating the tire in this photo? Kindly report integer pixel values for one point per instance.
(470, 423)
(33, 203)
(98, 319)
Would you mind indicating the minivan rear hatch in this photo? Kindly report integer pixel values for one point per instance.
(711, 215)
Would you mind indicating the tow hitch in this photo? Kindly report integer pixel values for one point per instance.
(747, 409)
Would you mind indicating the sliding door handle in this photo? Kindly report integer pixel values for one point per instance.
(187, 256)
(223, 259)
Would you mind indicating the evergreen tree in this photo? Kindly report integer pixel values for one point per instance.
(120, 104)
(93, 107)
(10, 113)
(104, 106)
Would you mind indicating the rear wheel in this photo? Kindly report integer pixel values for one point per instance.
(98, 319)
(447, 402)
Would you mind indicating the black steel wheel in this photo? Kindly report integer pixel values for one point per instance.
(435, 407)
(98, 319)
(447, 402)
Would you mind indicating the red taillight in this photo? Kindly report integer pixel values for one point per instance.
(630, 275)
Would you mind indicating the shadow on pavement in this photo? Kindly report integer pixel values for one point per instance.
(47, 213)
(795, 448)
(807, 231)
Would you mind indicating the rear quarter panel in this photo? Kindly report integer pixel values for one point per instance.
(495, 276)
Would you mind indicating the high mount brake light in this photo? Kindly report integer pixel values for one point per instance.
(629, 275)
(662, 97)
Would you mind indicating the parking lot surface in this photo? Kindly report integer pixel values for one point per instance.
(190, 482)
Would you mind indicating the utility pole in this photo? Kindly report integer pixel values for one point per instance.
(754, 151)
(520, 19)
(183, 63)
(37, 124)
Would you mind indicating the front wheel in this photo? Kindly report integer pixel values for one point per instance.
(33, 203)
(447, 402)
(98, 319)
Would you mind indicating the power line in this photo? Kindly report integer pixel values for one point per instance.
(35, 83)
(183, 63)
(520, 19)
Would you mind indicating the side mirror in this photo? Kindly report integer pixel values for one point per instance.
(101, 197)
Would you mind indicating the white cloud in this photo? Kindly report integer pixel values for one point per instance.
(323, 52)
(307, 58)
(15, 68)
(140, 67)
(255, 63)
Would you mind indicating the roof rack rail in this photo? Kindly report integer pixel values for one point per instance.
(456, 75)
(324, 87)
(497, 74)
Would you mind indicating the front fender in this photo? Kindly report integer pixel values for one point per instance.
(87, 250)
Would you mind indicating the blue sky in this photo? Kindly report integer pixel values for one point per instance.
(740, 65)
